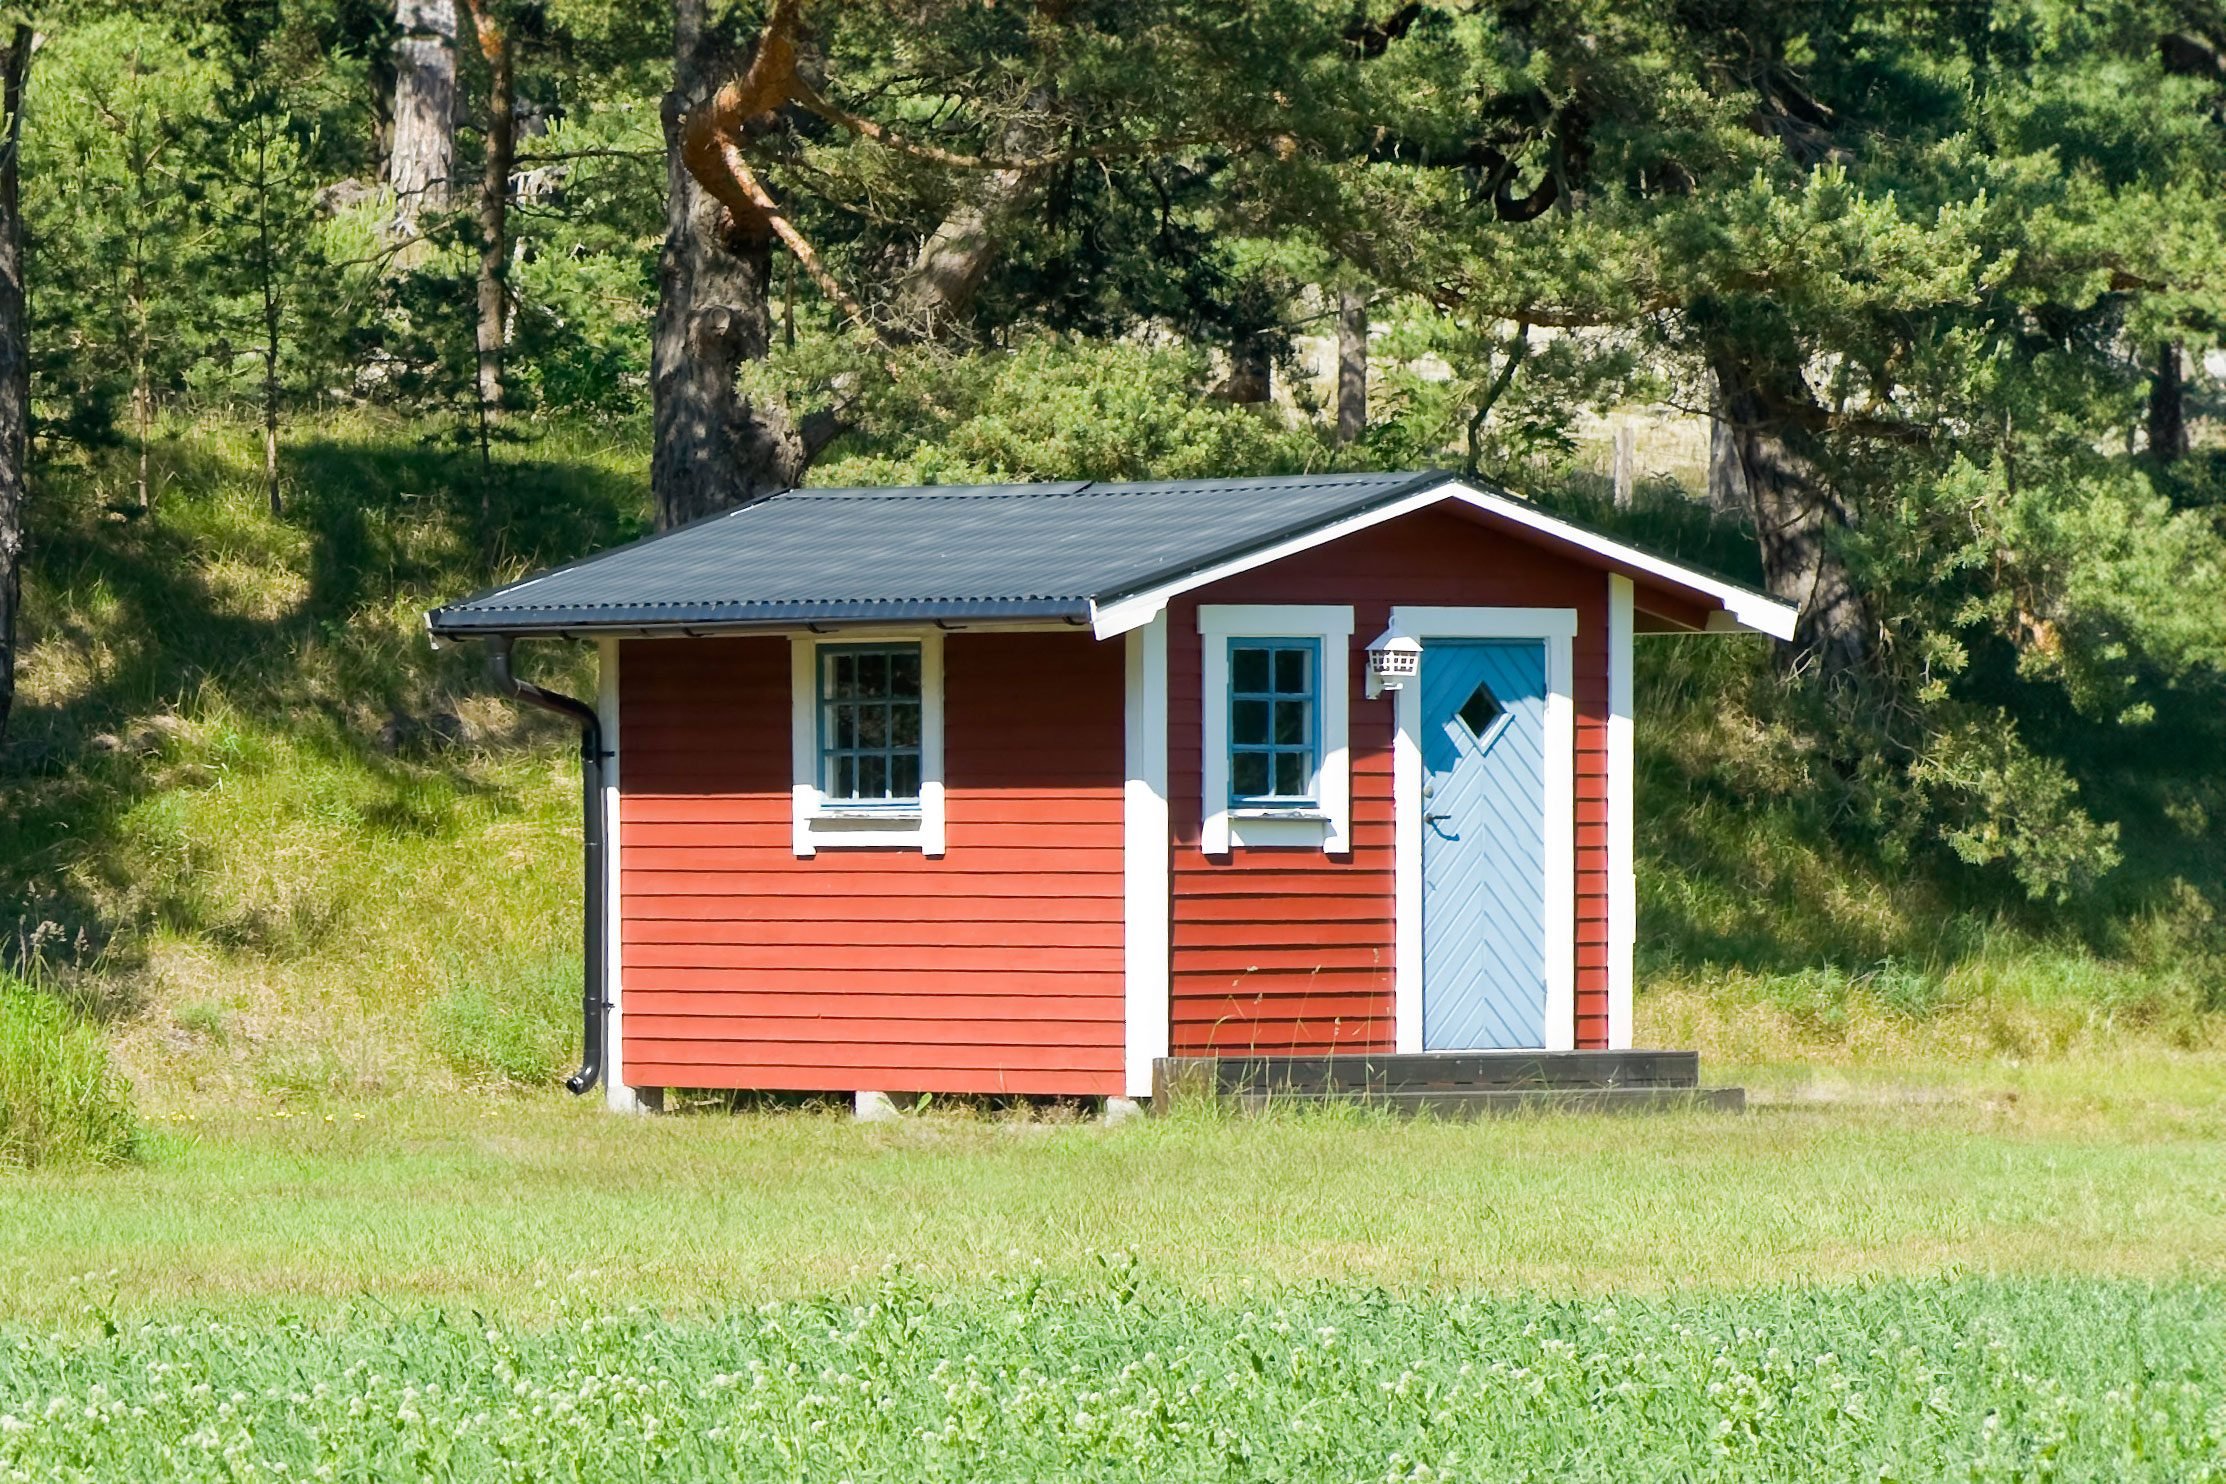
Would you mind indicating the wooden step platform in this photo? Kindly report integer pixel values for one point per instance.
(1449, 1084)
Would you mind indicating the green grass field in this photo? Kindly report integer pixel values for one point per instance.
(498, 1205)
(2010, 1272)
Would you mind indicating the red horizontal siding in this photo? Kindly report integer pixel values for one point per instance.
(738, 1066)
(995, 968)
(991, 1001)
(895, 933)
(1314, 932)
(847, 873)
(1022, 913)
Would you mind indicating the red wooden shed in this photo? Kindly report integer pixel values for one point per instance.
(1019, 789)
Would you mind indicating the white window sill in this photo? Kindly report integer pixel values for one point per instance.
(1278, 811)
(1273, 829)
(869, 829)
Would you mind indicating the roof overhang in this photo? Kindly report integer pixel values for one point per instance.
(1668, 595)
(447, 626)
(1721, 607)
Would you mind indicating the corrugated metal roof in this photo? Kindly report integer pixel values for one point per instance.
(1013, 552)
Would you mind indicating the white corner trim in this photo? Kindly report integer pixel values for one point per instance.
(1557, 627)
(1329, 825)
(1623, 895)
(617, 1096)
(1145, 849)
(1746, 611)
(816, 826)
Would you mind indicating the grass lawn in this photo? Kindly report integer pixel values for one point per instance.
(515, 1205)
(1995, 1272)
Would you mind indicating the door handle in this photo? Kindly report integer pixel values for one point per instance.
(1429, 818)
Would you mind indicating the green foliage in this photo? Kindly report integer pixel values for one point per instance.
(1057, 410)
(61, 1100)
(109, 187)
(1113, 1380)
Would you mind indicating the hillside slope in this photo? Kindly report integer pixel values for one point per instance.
(252, 821)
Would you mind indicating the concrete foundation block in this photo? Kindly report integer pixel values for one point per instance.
(1121, 1110)
(873, 1107)
(620, 1098)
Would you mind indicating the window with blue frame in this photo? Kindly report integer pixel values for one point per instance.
(869, 723)
(1274, 726)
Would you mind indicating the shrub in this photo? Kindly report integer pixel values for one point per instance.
(61, 1100)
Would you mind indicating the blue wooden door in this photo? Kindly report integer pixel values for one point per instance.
(1483, 843)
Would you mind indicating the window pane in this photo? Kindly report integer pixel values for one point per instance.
(904, 775)
(1291, 725)
(846, 779)
(843, 676)
(1248, 723)
(904, 724)
(844, 732)
(1290, 774)
(1248, 670)
(873, 726)
(873, 674)
(904, 673)
(1248, 774)
(1290, 670)
(873, 776)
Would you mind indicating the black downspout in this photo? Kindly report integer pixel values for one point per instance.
(582, 715)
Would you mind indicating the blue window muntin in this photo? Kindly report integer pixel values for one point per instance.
(1308, 752)
(833, 753)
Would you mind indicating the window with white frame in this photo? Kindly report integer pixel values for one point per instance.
(1277, 769)
(869, 723)
(1274, 738)
(868, 740)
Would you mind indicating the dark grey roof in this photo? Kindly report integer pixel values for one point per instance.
(1013, 552)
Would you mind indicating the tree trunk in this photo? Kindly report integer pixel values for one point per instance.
(1352, 365)
(951, 263)
(424, 154)
(1251, 378)
(2168, 406)
(1727, 483)
(1801, 523)
(949, 267)
(15, 362)
(714, 448)
(494, 207)
(267, 272)
(137, 295)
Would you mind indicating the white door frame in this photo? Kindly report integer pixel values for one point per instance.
(1557, 628)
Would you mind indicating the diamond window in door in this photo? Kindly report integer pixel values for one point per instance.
(1480, 710)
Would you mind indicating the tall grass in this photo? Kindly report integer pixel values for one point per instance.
(508, 1019)
(61, 1100)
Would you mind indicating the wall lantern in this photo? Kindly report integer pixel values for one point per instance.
(1393, 660)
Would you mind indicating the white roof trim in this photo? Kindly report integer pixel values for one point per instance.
(1749, 612)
